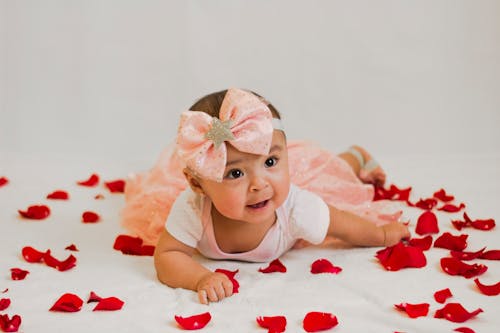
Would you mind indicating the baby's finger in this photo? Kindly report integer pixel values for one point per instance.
(228, 288)
(202, 296)
(219, 290)
(212, 295)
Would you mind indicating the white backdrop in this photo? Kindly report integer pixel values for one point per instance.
(109, 78)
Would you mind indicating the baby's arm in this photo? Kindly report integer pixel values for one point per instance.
(361, 232)
(176, 268)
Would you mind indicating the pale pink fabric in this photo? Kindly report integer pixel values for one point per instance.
(149, 196)
(250, 122)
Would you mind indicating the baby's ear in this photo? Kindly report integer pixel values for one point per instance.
(193, 181)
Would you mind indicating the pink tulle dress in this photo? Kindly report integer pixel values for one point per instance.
(150, 195)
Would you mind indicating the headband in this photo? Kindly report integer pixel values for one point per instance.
(244, 120)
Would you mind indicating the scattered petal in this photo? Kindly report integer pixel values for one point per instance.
(67, 303)
(400, 256)
(93, 297)
(461, 255)
(464, 330)
(58, 195)
(324, 266)
(427, 223)
(99, 196)
(230, 275)
(426, 204)
(35, 212)
(319, 321)
(456, 313)
(3, 181)
(393, 193)
(5, 290)
(116, 186)
(109, 304)
(10, 325)
(490, 290)
(4, 303)
(442, 295)
(454, 266)
(92, 181)
(18, 274)
(61, 266)
(90, 217)
(132, 245)
(441, 195)
(275, 266)
(414, 310)
(195, 322)
(32, 255)
(490, 255)
(451, 242)
(485, 225)
(71, 247)
(275, 324)
(450, 208)
(424, 243)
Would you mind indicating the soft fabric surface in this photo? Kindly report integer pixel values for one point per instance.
(362, 296)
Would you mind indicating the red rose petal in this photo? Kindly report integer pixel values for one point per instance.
(452, 208)
(319, 321)
(490, 290)
(67, 303)
(454, 266)
(275, 324)
(93, 180)
(275, 266)
(442, 295)
(424, 243)
(109, 304)
(18, 274)
(461, 255)
(324, 266)
(61, 266)
(195, 322)
(3, 181)
(99, 197)
(71, 247)
(451, 242)
(414, 310)
(93, 297)
(490, 255)
(426, 204)
(456, 313)
(32, 255)
(4, 303)
(427, 223)
(393, 193)
(133, 246)
(464, 330)
(5, 290)
(483, 224)
(116, 186)
(58, 195)
(10, 324)
(230, 275)
(35, 212)
(399, 256)
(441, 195)
(90, 217)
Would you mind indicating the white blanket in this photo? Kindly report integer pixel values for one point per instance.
(362, 296)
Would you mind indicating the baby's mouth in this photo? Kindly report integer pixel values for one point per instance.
(259, 204)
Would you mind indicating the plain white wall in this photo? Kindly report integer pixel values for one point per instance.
(97, 77)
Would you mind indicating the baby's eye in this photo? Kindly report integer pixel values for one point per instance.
(271, 161)
(235, 173)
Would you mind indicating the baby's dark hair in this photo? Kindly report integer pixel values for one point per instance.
(211, 104)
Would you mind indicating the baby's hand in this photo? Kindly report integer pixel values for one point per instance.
(394, 233)
(213, 287)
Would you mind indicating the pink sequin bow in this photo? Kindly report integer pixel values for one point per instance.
(244, 120)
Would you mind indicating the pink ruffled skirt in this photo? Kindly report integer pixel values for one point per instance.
(150, 195)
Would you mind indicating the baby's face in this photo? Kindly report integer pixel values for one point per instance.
(254, 186)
